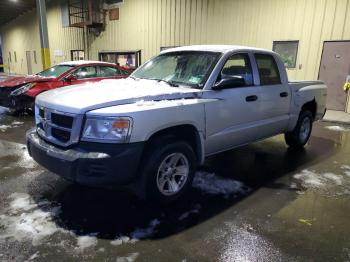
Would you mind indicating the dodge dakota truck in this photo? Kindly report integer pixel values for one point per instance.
(152, 129)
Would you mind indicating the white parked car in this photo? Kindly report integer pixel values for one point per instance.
(153, 128)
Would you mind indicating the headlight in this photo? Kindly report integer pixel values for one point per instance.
(107, 130)
(22, 89)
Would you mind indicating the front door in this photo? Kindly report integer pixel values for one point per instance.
(334, 69)
(29, 63)
(231, 118)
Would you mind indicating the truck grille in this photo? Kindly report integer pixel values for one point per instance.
(57, 127)
(62, 120)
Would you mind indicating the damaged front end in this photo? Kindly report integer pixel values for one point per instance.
(15, 99)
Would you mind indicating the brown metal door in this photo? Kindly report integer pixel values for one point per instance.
(335, 67)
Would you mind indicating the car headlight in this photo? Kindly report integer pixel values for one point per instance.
(107, 130)
(22, 89)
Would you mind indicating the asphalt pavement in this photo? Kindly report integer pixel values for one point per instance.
(262, 202)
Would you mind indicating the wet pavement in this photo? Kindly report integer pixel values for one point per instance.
(262, 202)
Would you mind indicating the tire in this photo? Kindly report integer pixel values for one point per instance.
(162, 181)
(302, 131)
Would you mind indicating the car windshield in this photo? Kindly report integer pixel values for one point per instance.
(55, 71)
(189, 68)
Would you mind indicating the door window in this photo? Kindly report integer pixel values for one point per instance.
(238, 65)
(268, 71)
(106, 71)
(86, 72)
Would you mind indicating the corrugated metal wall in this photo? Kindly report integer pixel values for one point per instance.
(19, 36)
(148, 25)
(62, 39)
(22, 34)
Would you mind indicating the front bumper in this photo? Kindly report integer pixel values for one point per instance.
(92, 164)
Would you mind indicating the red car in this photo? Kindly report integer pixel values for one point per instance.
(18, 93)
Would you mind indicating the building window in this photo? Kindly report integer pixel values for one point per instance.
(10, 59)
(15, 56)
(34, 56)
(288, 50)
(129, 59)
(77, 55)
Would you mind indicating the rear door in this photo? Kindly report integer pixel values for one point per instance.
(231, 118)
(275, 97)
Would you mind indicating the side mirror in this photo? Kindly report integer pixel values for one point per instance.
(71, 78)
(229, 82)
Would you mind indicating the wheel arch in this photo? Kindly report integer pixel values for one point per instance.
(185, 132)
(310, 106)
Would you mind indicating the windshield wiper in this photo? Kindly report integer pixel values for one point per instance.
(162, 80)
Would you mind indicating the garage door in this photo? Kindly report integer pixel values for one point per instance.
(334, 69)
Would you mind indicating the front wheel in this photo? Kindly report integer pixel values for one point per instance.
(168, 171)
(302, 131)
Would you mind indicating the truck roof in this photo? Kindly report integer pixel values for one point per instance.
(214, 48)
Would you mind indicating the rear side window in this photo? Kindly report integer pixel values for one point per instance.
(106, 71)
(238, 65)
(268, 71)
(86, 72)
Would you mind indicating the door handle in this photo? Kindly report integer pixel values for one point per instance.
(283, 94)
(251, 98)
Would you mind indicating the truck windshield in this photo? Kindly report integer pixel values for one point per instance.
(189, 68)
(55, 71)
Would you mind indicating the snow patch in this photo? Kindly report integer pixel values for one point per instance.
(215, 185)
(3, 128)
(25, 221)
(137, 234)
(144, 103)
(346, 167)
(123, 240)
(329, 184)
(142, 233)
(84, 242)
(19, 150)
(309, 179)
(130, 258)
(4, 110)
(188, 213)
(336, 128)
(336, 179)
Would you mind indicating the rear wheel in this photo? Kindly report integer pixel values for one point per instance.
(167, 172)
(302, 131)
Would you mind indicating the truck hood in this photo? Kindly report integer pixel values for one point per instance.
(21, 80)
(85, 97)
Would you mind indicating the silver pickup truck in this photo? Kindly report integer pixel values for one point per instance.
(154, 128)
